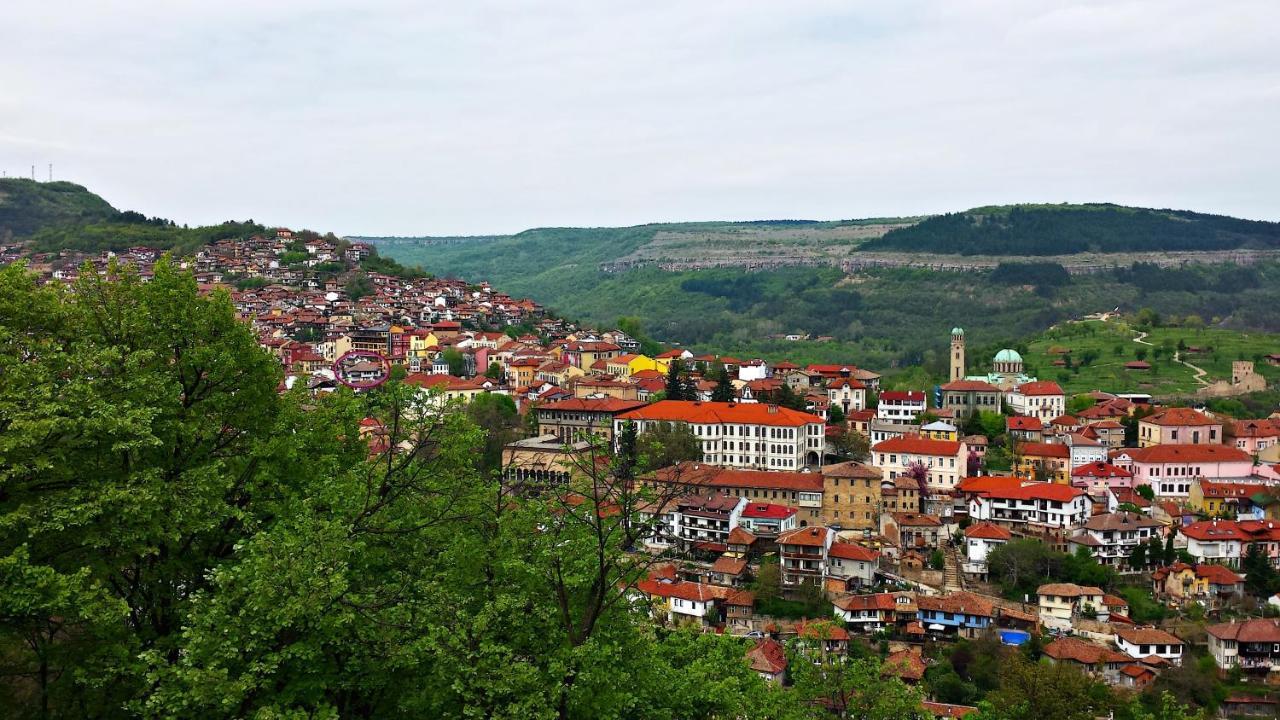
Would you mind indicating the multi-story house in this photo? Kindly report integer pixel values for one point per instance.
(802, 491)
(766, 520)
(850, 566)
(681, 601)
(851, 496)
(914, 530)
(1032, 507)
(980, 539)
(901, 406)
(1170, 469)
(1234, 499)
(581, 418)
(1098, 477)
(848, 393)
(755, 436)
(704, 521)
(867, 613)
(1111, 537)
(1066, 601)
(1024, 429)
(1041, 399)
(1139, 643)
(1178, 426)
(1254, 436)
(1047, 462)
(943, 462)
(960, 613)
(965, 397)
(1220, 542)
(584, 354)
(1251, 645)
(1207, 584)
(802, 554)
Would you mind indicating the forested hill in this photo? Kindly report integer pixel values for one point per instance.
(27, 206)
(1066, 229)
(53, 216)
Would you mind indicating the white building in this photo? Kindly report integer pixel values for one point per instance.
(979, 540)
(944, 460)
(848, 393)
(1112, 536)
(1039, 504)
(751, 435)
(1041, 399)
(901, 406)
(1140, 643)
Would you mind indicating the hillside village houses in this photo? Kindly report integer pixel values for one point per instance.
(766, 482)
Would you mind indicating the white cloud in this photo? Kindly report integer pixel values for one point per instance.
(408, 117)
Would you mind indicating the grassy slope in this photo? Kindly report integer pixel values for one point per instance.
(26, 205)
(1166, 377)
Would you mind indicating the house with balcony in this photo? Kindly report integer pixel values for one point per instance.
(867, 613)
(901, 406)
(1251, 645)
(980, 539)
(703, 522)
(1033, 507)
(1111, 537)
(959, 613)
(802, 555)
(1139, 643)
(766, 520)
(1207, 584)
(1063, 602)
(850, 566)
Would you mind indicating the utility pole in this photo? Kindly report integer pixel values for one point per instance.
(50, 172)
(33, 172)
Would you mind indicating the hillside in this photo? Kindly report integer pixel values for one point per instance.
(26, 206)
(1070, 229)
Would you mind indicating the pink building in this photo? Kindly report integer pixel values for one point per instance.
(1170, 469)
(1095, 477)
(1254, 436)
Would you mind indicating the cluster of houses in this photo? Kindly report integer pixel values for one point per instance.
(768, 485)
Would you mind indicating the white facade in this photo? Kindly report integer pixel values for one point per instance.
(901, 409)
(1029, 509)
(1045, 407)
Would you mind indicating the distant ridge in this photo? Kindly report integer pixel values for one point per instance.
(27, 206)
(1070, 229)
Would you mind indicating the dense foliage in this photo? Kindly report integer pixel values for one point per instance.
(27, 205)
(1067, 229)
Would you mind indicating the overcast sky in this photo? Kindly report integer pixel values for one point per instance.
(471, 117)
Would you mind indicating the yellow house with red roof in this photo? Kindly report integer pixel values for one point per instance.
(624, 366)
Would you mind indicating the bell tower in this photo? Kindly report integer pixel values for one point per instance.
(957, 354)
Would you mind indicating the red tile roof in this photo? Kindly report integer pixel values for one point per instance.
(1053, 450)
(599, 405)
(807, 536)
(1188, 453)
(1018, 422)
(878, 601)
(1035, 491)
(914, 396)
(767, 511)
(987, 531)
(719, 413)
(1101, 470)
(852, 551)
(1179, 417)
(1257, 631)
(916, 445)
(719, 477)
(1040, 387)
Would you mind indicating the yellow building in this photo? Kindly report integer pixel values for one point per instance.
(939, 430)
(624, 366)
(423, 344)
(1043, 461)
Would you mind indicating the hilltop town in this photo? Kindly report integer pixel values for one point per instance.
(792, 505)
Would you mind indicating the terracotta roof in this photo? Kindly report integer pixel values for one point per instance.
(1053, 450)
(600, 405)
(987, 531)
(1206, 530)
(852, 551)
(806, 536)
(719, 413)
(768, 656)
(1269, 427)
(1019, 422)
(958, 602)
(740, 536)
(1147, 636)
(916, 445)
(1035, 491)
(729, 565)
(1257, 630)
(1040, 387)
(911, 519)
(977, 484)
(905, 664)
(1101, 469)
(1218, 574)
(1179, 417)
(1120, 521)
(878, 601)
(821, 630)
(1068, 590)
(767, 511)
(1083, 652)
(719, 477)
(914, 396)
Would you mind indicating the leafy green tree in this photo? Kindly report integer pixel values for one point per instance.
(1028, 688)
(853, 688)
(494, 371)
(724, 390)
(835, 415)
(664, 444)
(457, 364)
(675, 388)
(358, 286)
(497, 417)
(1261, 578)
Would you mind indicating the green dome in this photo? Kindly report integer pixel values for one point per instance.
(1007, 355)
(957, 331)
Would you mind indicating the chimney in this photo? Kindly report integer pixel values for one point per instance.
(773, 409)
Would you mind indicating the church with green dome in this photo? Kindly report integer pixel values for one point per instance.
(1006, 367)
